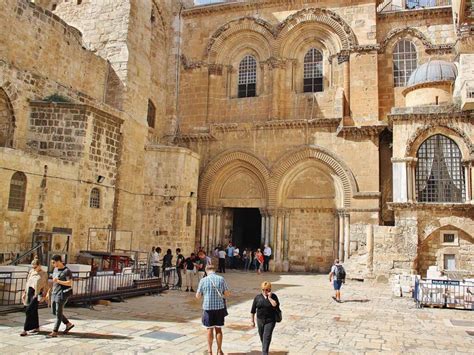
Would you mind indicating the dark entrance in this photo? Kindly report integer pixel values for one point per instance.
(246, 229)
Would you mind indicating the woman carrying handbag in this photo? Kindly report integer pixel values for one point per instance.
(35, 290)
(267, 307)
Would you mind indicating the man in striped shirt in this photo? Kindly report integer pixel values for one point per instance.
(213, 289)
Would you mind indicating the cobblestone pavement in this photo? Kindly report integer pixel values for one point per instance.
(369, 321)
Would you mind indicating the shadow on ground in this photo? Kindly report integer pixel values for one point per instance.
(78, 335)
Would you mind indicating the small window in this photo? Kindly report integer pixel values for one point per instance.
(313, 71)
(151, 116)
(404, 62)
(53, 7)
(449, 238)
(95, 198)
(449, 262)
(189, 210)
(16, 199)
(247, 77)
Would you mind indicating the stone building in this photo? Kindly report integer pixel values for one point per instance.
(324, 129)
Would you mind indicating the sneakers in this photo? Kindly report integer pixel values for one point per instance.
(187, 289)
(192, 290)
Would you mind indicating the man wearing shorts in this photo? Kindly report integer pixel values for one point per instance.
(213, 289)
(337, 277)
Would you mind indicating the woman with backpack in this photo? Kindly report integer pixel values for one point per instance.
(267, 307)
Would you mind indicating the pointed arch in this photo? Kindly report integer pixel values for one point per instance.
(399, 33)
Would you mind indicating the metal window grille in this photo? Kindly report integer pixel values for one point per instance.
(16, 199)
(247, 77)
(313, 71)
(95, 198)
(448, 238)
(439, 173)
(404, 62)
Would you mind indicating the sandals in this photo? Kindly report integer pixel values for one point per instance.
(23, 333)
(66, 331)
(52, 335)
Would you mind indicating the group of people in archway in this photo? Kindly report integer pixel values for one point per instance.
(249, 259)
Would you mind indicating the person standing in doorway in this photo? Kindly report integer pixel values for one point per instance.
(267, 253)
(179, 267)
(36, 288)
(61, 291)
(337, 277)
(213, 289)
(222, 260)
(155, 262)
(236, 257)
(246, 259)
(265, 305)
(259, 261)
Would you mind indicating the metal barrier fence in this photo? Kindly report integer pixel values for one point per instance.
(444, 293)
(85, 287)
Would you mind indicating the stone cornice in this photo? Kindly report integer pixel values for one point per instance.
(416, 114)
(289, 124)
(195, 137)
(429, 12)
(431, 206)
(361, 131)
(428, 84)
(367, 195)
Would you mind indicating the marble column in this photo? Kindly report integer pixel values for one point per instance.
(347, 245)
(286, 237)
(468, 182)
(211, 233)
(370, 247)
(204, 233)
(340, 230)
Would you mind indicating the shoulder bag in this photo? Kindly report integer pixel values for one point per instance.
(221, 296)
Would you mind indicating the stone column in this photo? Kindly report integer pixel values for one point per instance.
(211, 232)
(204, 231)
(286, 237)
(263, 226)
(218, 233)
(347, 245)
(468, 181)
(343, 58)
(340, 229)
(267, 230)
(271, 236)
(411, 189)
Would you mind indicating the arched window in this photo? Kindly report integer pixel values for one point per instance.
(16, 200)
(404, 62)
(247, 77)
(7, 120)
(189, 210)
(439, 173)
(151, 115)
(313, 71)
(94, 201)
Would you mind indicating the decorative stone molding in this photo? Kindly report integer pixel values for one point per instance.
(195, 137)
(403, 31)
(274, 62)
(415, 206)
(295, 124)
(424, 13)
(367, 195)
(323, 16)
(212, 170)
(361, 131)
(435, 126)
(320, 154)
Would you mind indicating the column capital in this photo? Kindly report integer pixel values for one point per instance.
(342, 212)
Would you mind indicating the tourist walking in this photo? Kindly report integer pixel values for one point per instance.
(259, 261)
(246, 259)
(237, 257)
(179, 267)
(337, 277)
(60, 293)
(201, 263)
(222, 260)
(213, 289)
(267, 253)
(266, 306)
(35, 291)
(190, 270)
(230, 255)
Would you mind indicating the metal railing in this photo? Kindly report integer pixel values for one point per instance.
(404, 5)
(444, 293)
(12, 285)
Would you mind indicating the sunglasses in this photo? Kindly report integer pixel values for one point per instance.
(266, 289)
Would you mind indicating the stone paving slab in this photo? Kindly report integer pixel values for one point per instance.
(369, 321)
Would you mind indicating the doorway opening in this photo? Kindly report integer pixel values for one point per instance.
(246, 228)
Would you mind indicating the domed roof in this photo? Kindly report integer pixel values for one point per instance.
(433, 70)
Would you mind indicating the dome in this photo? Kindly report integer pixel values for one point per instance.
(434, 70)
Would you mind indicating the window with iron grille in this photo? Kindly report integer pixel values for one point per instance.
(247, 77)
(439, 173)
(151, 116)
(16, 199)
(404, 62)
(95, 198)
(313, 71)
(448, 238)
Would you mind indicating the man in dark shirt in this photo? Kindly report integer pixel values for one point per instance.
(62, 289)
(179, 266)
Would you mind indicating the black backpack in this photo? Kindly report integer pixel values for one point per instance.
(340, 273)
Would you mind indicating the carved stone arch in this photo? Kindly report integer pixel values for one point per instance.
(451, 222)
(451, 131)
(7, 120)
(214, 173)
(328, 21)
(230, 33)
(329, 159)
(400, 33)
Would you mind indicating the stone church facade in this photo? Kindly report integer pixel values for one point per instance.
(324, 129)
